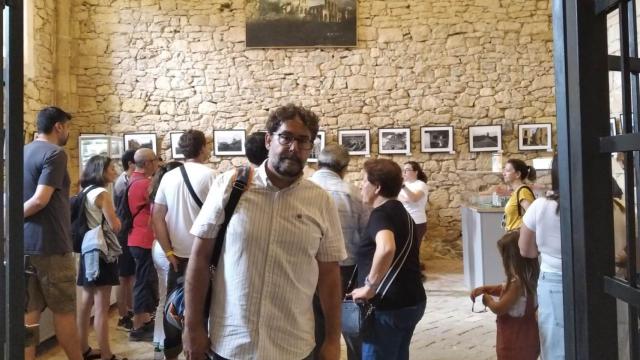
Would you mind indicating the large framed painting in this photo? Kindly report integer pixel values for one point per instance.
(534, 137)
(436, 139)
(301, 23)
(357, 142)
(394, 141)
(318, 146)
(485, 138)
(228, 142)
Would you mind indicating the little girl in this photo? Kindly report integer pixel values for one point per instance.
(517, 335)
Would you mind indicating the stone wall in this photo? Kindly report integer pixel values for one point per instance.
(39, 59)
(163, 65)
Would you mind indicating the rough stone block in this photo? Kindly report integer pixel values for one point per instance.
(133, 105)
(359, 83)
(207, 108)
(390, 35)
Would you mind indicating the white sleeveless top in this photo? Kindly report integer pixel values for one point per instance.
(94, 214)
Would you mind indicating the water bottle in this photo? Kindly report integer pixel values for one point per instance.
(495, 200)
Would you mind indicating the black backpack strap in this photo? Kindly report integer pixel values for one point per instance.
(188, 183)
(126, 198)
(242, 177)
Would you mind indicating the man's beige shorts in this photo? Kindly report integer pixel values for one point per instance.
(53, 285)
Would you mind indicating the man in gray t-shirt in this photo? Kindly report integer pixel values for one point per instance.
(47, 231)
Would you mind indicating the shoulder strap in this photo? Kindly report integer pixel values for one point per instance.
(619, 204)
(240, 183)
(518, 197)
(194, 196)
(88, 189)
(397, 263)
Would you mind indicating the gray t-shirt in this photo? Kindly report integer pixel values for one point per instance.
(48, 231)
(121, 185)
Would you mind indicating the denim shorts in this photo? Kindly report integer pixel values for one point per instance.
(550, 316)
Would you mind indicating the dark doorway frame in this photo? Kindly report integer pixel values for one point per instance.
(584, 152)
(12, 288)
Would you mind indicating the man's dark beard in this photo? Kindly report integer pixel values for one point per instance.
(288, 171)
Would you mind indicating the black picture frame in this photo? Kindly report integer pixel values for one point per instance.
(534, 137)
(278, 24)
(394, 141)
(139, 139)
(318, 146)
(229, 142)
(436, 139)
(356, 141)
(174, 139)
(485, 138)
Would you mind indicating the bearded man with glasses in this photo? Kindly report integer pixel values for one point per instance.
(283, 241)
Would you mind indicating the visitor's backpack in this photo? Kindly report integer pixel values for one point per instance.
(79, 225)
(124, 213)
(175, 305)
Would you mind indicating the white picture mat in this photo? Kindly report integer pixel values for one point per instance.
(441, 135)
(174, 138)
(147, 140)
(357, 142)
(318, 146)
(485, 138)
(229, 142)
(534, 137)
(394, 141)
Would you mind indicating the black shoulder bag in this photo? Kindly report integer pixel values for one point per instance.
(357, 317)
(175, 305)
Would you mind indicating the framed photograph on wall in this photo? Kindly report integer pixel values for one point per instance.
(485, 138)
(394, 141)
(176, 151)
(357, 142)
(137, 140)
(534, 137)
(228, 142)
(309, 23)
(318, 146)
(436, 139)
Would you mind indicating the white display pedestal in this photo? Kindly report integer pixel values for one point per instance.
(480, 232)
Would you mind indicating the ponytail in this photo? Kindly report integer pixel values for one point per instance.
(526, 172)
(415, 167)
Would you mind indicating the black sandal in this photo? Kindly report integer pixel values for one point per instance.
(88, 355)
(113, 357)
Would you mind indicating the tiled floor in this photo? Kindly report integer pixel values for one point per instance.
(448, 330)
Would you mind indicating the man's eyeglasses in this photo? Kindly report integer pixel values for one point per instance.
(287, 139)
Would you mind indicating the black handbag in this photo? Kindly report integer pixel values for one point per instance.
(357, 317)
